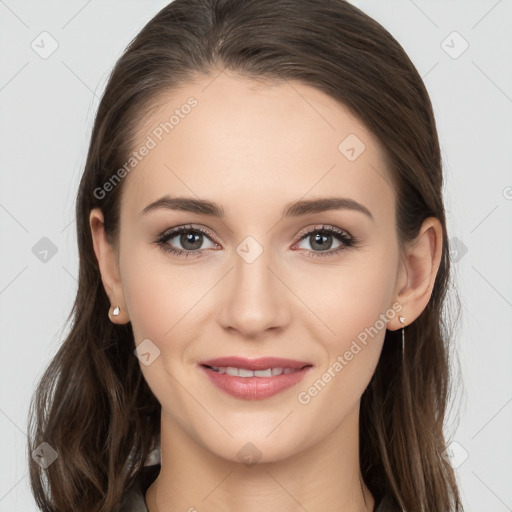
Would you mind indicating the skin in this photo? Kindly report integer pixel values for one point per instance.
(254, 148)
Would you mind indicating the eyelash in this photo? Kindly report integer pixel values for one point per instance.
(347, 240)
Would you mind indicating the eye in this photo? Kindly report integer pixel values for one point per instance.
(190, 238)
(320, 239)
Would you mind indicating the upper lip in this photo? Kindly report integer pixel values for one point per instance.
(262, 363)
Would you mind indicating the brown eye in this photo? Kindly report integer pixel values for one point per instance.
(189, 240)
(321, 240)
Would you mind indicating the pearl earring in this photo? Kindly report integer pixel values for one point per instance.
(115, 312)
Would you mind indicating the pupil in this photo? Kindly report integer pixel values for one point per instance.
(320, 241)
(191, 238)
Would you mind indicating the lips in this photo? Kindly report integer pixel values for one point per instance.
(262, 363)
(242, 372)
(254, 379)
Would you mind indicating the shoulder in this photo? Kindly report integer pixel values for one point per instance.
(133, 497)
(386, 503)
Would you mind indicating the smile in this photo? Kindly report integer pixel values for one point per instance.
(243, 372)
(254, 379)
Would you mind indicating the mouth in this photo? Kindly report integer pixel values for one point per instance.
(254, 379)
(243, 372)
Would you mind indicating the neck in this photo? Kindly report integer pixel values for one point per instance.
(323, 477)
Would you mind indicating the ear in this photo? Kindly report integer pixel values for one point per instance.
(107, 257)
(418, 272)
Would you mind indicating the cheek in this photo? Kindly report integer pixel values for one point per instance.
(354, 304)
(158, 294)
(160, 301)
(350, 297)
(147, 298)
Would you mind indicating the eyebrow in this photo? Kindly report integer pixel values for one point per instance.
(295, 209)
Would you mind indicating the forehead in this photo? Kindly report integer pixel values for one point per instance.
(247, 143)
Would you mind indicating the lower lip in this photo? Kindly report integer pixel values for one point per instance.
(255, 388)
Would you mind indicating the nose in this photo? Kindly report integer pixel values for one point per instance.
(254, 298)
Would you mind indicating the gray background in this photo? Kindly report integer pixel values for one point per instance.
(47, 107)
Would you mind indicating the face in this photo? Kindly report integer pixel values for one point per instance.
(265, 279)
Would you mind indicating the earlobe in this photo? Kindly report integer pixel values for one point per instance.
(421, 263)
(106, 254)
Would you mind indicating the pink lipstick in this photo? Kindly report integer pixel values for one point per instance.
(254, 379)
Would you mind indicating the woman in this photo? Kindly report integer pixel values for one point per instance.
(263, 264)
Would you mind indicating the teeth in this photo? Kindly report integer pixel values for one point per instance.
(263, 373)
(242, 372)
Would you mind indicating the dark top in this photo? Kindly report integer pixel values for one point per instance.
(133, 498)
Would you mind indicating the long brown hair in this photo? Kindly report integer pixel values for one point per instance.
(93, 406)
